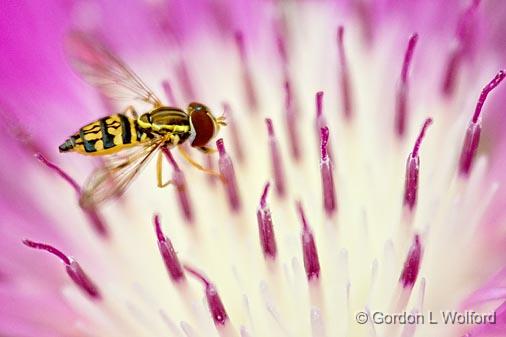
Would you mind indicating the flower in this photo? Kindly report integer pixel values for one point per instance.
(351, 136)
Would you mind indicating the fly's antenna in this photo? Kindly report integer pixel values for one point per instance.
(221, 120)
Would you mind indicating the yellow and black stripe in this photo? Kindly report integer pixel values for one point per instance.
(105, 136)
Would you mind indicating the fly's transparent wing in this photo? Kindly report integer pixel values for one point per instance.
(101, 68)
(115, 176)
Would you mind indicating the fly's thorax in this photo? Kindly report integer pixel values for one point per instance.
(165, 120)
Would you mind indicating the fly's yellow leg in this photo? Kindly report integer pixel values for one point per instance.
(159, 174)
(207, 149)
(193, 163)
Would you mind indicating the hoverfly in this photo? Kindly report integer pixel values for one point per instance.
(130, 140)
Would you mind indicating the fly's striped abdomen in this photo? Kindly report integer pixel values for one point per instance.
(105, 136)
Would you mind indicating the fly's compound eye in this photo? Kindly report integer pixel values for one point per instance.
(203, 127)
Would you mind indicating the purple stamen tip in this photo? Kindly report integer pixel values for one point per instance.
(94, 218)
(340, 34)
(169, 255)
(412, 264)
(344, 76)
(237, 140)
(227, 172)
(179, 181)
(276, 162)
(270, 128)
(319, 104)
(291, 121)
(484, 93)
(327, 175)
(214, 302)
(401, 107)
(408, 56)
(221, 147)
(48, 248)
(412, 170)
(73, 269)
(472, 138)
(309, 251)
(59, 171)
(239, 40)
(263, 199)
(169, 93)
(281, 45)
(418, 142)
(265, 227)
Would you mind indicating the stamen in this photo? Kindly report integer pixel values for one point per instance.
(319, 119)
(265, 228)
(234, 132)
(73, 269)
(472, 138)
(311, 260)
(229, 179)
(276, 161)
(401, 108)
(169, 255)
(185, 81)
(365, 13)
(319, 104)
(412, 264)
(17, 130)
(214, 302)
(60, 172)
(169, 93)
(463, 34)
(412, 170)
(91, 213)
(292, 122)
(247, 78)
(179, 181)
(327, 175)
(281, 46)
(484, 93)
(344, 76)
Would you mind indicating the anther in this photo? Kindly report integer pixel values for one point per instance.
(344, 76)
(265, 228)
(169, 255)
(327, 175)
(185, 81)
(472, 138)
(309, 251)
(278, 171)
(412, 264)
(169, 93)
(247, 78)
(234, 132)
(227, 171)
(464, 33)
(91, 213)
(292, 121)
(412, 170)
(179, 181)
(401, 107)
(73, 269)
(319, 119)
(214, 302)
